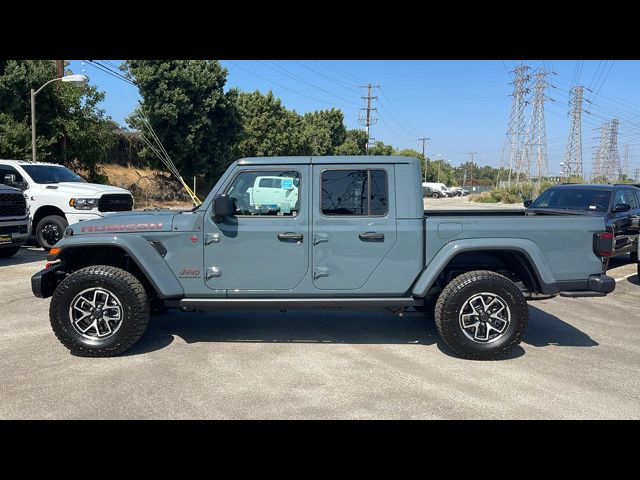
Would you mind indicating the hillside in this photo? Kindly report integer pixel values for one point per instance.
(150, 188)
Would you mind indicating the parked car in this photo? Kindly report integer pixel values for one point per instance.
(459, 191)
(438, 189)
(57, 197)
(619, 205)
(360, 239)
(14, 221)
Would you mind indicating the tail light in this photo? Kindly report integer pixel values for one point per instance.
(603, 244)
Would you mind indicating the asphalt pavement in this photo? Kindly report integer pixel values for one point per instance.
(579, 359)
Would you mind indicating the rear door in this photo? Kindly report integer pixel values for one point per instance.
(354, 223)
(625, 223)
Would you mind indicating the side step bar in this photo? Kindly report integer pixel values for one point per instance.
(292, 303)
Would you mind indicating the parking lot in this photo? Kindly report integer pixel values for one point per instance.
(579, 359)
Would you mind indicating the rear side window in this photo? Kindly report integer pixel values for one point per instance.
(626, 196)
(354, 192)
(7, 170)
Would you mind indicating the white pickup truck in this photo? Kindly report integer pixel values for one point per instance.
(57, 197)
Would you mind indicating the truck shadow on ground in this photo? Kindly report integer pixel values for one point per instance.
(297, 326)
(25, 255)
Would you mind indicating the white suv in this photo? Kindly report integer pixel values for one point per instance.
(58, 197)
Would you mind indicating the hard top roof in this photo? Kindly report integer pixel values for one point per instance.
(335, 159)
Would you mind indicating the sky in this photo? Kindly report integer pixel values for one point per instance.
(461, 105)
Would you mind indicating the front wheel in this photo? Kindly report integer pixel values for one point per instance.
(481, 315)
(435, 195)
(50, 230)
(99, 311)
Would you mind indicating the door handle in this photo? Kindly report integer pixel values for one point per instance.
(371, 237)
(290, 237)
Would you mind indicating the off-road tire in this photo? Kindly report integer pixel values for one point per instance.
(451, 301)
(56, 220)
(9, 252)
(135, 310)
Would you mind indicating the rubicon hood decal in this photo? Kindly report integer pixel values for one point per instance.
(119, 227)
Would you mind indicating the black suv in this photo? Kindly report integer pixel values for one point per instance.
(618, 204)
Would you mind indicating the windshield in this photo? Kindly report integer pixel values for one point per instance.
(574, 199)
(51, 174)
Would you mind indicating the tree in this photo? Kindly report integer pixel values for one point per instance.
(354, 144)
(268, 128)
(409, 152)
(183, 100)
(71, 129)
(323, 131)
(379, 148)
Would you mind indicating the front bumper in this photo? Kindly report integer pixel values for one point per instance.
(597, 286)
(45, 281)
(18, 229)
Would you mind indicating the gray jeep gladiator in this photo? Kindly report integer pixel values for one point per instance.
(14, 221)
(319, 232)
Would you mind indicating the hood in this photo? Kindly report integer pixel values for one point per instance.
(79, 189)
(127, 222)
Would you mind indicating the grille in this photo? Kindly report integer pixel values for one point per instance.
(116, 202)
(14, 229)
(12, 205)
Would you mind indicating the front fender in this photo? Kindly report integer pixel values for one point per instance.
(141, 252)
(540, 265)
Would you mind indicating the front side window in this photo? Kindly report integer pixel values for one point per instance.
(354, 192)
(264, 192)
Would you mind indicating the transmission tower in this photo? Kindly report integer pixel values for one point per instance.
(624, 170)
(636, 175)
(613, 157)
(600, 155)
(516, 135)
(368, 115)
(536, 147)
(573, 153)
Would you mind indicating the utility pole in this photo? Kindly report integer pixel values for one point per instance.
(465, 171)
(370, 117)
(426, 160)
(60, 68)
(516, 135)
(573, 153)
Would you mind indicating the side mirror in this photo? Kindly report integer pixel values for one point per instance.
(222, 207)
(621, 207)
(527, 203)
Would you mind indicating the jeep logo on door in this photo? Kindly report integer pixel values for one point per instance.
(189, 272)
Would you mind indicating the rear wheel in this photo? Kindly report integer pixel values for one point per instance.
(99, 311)
(50, 230)
(9, 252)
(481, 315)
(435, 195)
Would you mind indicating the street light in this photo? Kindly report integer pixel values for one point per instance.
(76, 80)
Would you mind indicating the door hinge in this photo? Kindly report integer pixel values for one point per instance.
(210, 238)
(320, 272)
(320, 237)
(213, 272)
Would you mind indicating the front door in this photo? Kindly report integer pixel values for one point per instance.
(263, 246)
(354, 223)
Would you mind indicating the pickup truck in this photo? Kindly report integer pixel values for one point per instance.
(14, 221)
(357, 238)
(57, 196)
(617, 205)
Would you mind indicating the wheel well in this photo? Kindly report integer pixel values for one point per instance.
(513, 264)
(74, 259)
(45, 211)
